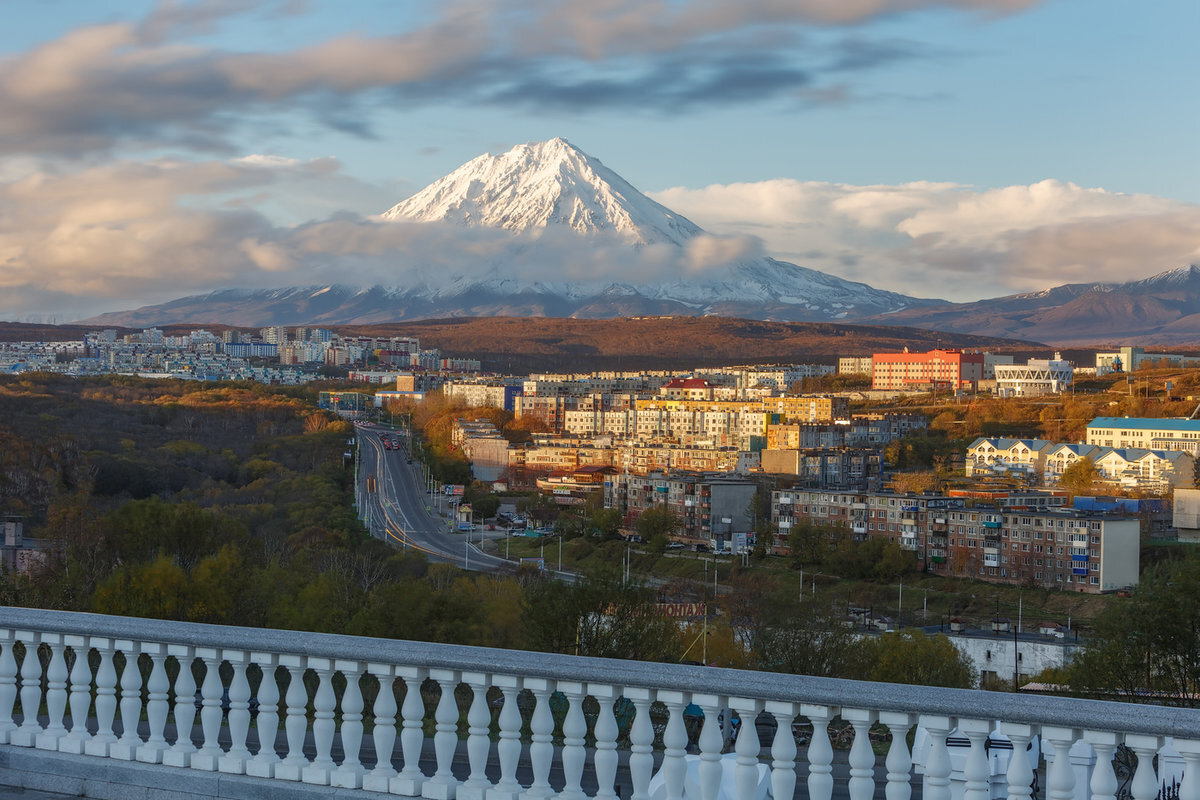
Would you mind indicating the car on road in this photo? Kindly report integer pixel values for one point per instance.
(675, 546)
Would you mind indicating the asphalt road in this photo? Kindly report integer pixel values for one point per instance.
(398, 506)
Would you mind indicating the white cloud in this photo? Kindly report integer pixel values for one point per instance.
(950, 240)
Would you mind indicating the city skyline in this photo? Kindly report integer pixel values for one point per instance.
(958, 149)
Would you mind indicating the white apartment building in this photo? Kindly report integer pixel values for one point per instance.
(1145, 433)
(1025, 457)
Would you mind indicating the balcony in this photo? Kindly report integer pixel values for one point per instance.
(293, 714)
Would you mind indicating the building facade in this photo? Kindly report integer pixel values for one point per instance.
(951, 369)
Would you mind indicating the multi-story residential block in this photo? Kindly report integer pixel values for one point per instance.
(951, 369)
(1145, 433)
(1009, 457)
(712, 509)
(859, 468)
(855, 365)
(1072, 549)
(1035, 378)
(549, 409)
(497, 394)
(1157, 470)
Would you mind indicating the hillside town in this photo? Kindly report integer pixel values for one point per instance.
(704, 443)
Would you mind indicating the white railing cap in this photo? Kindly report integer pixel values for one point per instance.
(1095, 715)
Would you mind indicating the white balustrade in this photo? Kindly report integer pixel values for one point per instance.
(126, 747)
(212, 692)
(180, 753)
(267, 723)
(383, 734)
(56, 693)
(348, 774)
(8, 685)
(79, 700)
(49, 672)
(234, 760)
(157, 706)
(31, 692)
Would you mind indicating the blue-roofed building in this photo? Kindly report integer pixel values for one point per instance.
(1146, 433)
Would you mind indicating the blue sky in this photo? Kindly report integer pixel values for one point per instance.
(953, 148)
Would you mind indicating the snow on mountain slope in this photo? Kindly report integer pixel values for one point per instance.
(553, 185)
(544, 184)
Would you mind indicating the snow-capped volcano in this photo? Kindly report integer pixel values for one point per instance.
(541, 185)
(554, 186)
(541, 230)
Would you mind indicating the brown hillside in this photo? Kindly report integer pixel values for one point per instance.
(547, 343)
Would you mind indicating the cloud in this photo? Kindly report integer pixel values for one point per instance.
(147, 82)
(950, 240)
(134, 233)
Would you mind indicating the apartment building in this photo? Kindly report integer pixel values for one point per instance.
(712, 508)
(1077, 550)
(855, 365)
(1025, 458)
(1145, 433)
(951, 369)
(860, 468)
(497, 394)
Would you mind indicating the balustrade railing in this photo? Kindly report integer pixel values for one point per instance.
(353, 712)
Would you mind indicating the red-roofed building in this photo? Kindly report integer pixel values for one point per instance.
(687, 389)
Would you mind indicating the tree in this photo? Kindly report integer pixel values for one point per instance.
(658, 520)
(803, 638)
(912, 657)
(1079, 477)
(1150, 642)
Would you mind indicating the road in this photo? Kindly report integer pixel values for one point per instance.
(396, 505)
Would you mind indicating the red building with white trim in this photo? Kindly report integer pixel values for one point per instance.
(950, 369)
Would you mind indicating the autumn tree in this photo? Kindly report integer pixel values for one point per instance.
(1079, 477)
(912, 657)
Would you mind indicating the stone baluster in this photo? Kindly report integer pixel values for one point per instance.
(349, 773)
(899, 760)
(1189, 786)
(783, 748)
(157, 707)
(820, 751)
(711, 743)
(1020, 770)
(56, 693)
(976, 771)
(641, 743)
(323, 727)
(574, 730)
(212, 692)
(1104, 779)
(31, 692)
(478, 743)
(747, 747)
(80, 699)
(8, 684)
(383, 735)
(180, 753)
(1060, 777)
(267, 722)
(674, 763)
(605, 733)
(296, 720)
(508, 749)
(234, 761)
(1145, 780)
(541, 749)
(126, 747)
(862, 757)
(412, 735)
(936, 785)
(443, 785)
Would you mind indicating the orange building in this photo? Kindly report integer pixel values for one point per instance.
(952, 369)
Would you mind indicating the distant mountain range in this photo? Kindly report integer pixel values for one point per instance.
(1160, 310)
(552, 191)
(531, 191)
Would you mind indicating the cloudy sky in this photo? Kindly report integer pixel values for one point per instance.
(951, 148)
